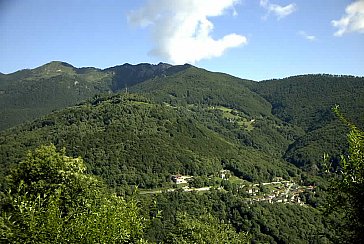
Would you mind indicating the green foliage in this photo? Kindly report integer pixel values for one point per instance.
(300, 102)
(307, 150)
(52, 200)
(263, 222)
(198, 86)
(187, 121)
(127, 75)
(306, 101)
(29, 94)
(347, 191)
(46, 170)
(128, 139)
(204, 229)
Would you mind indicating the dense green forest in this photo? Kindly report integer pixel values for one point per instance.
(132, 127)
(28, 94)
(307, 101)
(129, 140)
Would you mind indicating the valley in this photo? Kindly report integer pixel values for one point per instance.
(252, 151)
(283, 191)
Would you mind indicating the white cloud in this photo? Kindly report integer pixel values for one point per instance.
(352, 21)
(278, 10)
(181, 29)
(307, 36)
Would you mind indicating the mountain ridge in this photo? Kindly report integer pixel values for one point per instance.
(31, 93)
(137, 126)
(292, 112)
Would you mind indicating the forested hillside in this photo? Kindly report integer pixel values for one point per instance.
(28, 94)
(198, 86)
(307, 101)
(137, 126)
(130, 140)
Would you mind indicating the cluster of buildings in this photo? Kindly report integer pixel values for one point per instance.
(278, 191)
(283, 192)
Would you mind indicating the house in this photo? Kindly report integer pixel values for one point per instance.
(177, 179)
(224, 174)
(180, 179)
(253, 191)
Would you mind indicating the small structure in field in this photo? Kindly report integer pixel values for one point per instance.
(180, 179)
(224, 174)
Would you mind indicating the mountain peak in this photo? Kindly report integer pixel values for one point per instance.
(55, 68)
(57, 64)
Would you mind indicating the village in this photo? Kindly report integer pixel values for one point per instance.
(277, 191)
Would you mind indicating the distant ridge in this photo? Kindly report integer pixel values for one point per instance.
(129, 75)
(30, 93)
(303, 102)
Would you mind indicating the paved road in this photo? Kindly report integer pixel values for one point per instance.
(173, 189)
(209, 188)
(273, 182)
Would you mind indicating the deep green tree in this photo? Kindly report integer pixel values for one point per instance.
(347, 190)
(52, 200)
(204, 229)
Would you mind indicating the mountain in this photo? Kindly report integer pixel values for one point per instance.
(306, 101)
(128, 75)
(246, 116)
(290, 117)
(131, 140)
(137, 125)
(28, 94)
(198, 86)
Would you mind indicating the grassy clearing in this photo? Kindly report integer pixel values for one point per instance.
(236, 116)
(236, 180)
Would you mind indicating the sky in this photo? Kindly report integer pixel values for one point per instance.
(250, 39)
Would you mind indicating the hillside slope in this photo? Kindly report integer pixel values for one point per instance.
(198, 86)
(306, 101)
(130, 140)
(28, 94)
(289, 118)
(186, 120)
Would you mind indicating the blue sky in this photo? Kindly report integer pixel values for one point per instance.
(252, 39)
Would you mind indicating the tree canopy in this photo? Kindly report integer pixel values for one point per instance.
(52, 200)
(347, 190)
